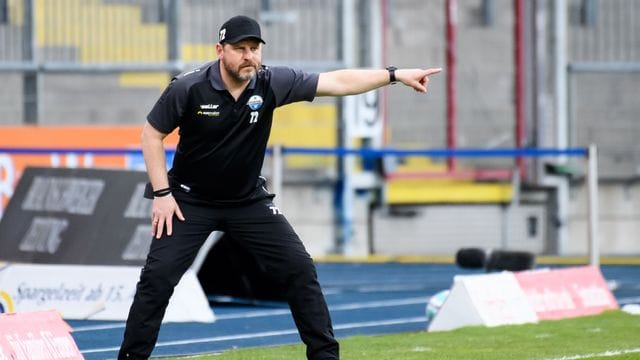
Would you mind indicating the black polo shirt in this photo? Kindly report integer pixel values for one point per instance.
(222, 141)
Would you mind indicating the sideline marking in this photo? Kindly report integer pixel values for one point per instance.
(255, 314)
(419, 259)
(602, 354)
(270, 333)
(343, 307)
(360, 289)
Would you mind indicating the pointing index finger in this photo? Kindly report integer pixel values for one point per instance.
(433, 71)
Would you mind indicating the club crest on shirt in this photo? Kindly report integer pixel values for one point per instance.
(255, 102)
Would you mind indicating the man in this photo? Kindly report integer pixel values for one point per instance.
(224, 111)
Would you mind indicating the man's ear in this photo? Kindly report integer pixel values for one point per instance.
(219, 49)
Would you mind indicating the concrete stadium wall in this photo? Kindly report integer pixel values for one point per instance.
(310, 210)
(443, 229)
(10, 99)
(619, 219)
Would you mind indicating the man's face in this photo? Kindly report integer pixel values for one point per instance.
(242, 59)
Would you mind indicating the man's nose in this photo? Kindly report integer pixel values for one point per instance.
(247, 54)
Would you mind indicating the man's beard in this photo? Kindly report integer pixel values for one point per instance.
(237, 75)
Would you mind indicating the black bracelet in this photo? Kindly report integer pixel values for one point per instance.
(392, 74)
(162, 192)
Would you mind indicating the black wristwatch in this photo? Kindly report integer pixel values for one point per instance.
(392, 74)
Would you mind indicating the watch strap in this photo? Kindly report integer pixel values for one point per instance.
(392, 74)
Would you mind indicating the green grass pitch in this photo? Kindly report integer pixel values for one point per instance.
(611, 335)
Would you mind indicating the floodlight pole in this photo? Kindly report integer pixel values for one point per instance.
(592, 187)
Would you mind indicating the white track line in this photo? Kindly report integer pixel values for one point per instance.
(602, 354)
(99, 327)
(339, 290)
(271, 333)
(278, 312)
(343, 307)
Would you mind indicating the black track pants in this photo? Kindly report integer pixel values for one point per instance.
(267, 235)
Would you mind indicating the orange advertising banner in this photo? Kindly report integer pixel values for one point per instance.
(22, 139)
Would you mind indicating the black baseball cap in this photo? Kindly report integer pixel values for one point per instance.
(239, 28)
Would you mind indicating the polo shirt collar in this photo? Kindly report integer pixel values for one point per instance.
(216, 78)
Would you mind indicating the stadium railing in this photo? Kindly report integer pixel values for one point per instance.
(278, 154)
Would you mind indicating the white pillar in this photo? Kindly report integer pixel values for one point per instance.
(561, 115)
(592, 187)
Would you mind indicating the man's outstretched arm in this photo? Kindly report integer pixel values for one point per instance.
(357, 81)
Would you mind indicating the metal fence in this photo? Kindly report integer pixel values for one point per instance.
(607, 33)
(105, 61)
(604, 76)
(127, 32)
(47, 45)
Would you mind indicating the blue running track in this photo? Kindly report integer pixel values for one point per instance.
(364, 299)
